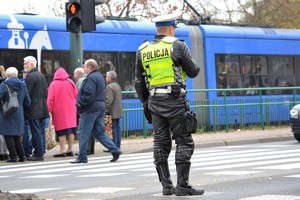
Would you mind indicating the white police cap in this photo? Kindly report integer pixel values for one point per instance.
(166, 20)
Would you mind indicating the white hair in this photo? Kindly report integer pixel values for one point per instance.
(113, 75)
(12, 72)
(31, 59)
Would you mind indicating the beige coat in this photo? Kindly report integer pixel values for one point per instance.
(113, 100)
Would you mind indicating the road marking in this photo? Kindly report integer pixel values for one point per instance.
(285, 166)
(237, 173)
(4, 176)
(35, 190)
(101, 175)
(247, 164)
(272, 197)
(294, 176)
(46, 176)
(101, 190)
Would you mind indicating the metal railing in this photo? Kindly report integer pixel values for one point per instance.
(222, 113)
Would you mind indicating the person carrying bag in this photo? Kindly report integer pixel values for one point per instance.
(11, 104)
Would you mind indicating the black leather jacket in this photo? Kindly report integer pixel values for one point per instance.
(181, 56)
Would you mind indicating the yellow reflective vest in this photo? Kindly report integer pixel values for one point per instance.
(158, 64)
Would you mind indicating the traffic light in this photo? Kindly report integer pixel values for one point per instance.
(88, 16)
(73, 16)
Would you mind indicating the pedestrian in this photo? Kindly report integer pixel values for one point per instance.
(26, 136)
(162, 67)
(12, 126)
(61, 101)
(3, 147)
(79, 76)
(113, 105)
(37, 89)
(3, 75)
(91, 107)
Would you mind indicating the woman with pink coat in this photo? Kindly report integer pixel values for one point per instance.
(61, 103)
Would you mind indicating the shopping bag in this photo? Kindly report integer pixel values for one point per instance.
(50, 136)
(108, 125)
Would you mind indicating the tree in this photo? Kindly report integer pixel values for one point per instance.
(279, 13)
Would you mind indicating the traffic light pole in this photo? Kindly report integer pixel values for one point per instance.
(76, 56)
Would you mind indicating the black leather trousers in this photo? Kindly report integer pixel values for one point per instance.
(169, 123)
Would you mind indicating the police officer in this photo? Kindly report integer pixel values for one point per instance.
(162, 67)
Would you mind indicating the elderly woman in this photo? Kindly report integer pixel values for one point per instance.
(13, 125)
(61, 103)
(3, 148)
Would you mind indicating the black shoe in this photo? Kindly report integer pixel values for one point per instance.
(36, 158)
(116, 156)
(78, 161)
(27, 155)
(60, 155)
(106, 151)
(6, 156)
(168, 191)
(181, 191)
(12, 160)
(22, 159)
(71, 153)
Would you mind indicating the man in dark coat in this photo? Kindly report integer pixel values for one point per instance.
(37, 89)
(91, 108)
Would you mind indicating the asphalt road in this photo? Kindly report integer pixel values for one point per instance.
(243, 172)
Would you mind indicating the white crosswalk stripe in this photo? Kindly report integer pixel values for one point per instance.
(222, 161)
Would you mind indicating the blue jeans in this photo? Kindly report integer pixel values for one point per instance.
(36, 127)
(46, 122)
(116, 132)
(27, 138)
(93, 123)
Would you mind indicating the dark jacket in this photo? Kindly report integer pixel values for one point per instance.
(181, 56)
(91, 95)
(14, 124)
(37, 89)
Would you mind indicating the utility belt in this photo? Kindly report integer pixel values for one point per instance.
(171, 89)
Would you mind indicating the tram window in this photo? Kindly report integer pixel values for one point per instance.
(127, 68)
(256, 73)
(123, 63)
(297, 70)
(229, 73)
(15, 57)
(52, 60)
(107, 61)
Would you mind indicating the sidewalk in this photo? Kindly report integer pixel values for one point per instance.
(201, 140)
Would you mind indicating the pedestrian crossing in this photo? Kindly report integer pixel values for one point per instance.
(228, 161)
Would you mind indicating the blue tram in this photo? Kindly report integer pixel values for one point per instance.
(229, 56)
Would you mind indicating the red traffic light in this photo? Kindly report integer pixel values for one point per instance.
(73, 8)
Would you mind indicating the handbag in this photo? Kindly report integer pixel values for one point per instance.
(11, 105)
(108, 125)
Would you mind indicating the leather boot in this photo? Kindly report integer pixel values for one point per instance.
(183, 187)
(165, 179)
